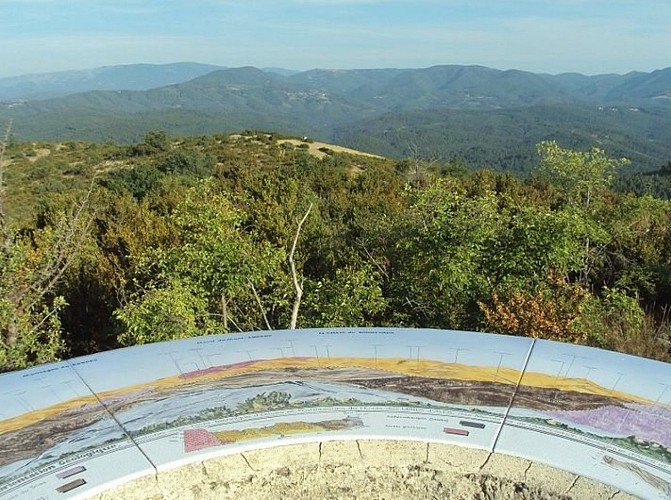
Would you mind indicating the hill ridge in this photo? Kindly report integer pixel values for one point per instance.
(380, 110)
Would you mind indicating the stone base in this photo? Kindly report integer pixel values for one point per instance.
(367, 469)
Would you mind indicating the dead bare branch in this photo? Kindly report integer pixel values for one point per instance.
(3, 216)
(224, 310)
(298, 287)
(258, 301)
(66, 248)
(373, 260)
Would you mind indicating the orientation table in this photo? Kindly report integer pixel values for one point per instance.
(82, 426)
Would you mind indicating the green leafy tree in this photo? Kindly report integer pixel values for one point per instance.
(535, 241)
(437, 260)
(166, 312)
(155, 141)
(639, 254)
(612, 320)
(187, 162)
(29, 323)
(353, 297)
(582, 175)
(209, 277)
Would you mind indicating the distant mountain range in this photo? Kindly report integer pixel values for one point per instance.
(488, 117)
(128, 77)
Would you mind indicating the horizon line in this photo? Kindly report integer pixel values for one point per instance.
(271, 69)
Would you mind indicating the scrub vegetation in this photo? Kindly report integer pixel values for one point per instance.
(105, 245)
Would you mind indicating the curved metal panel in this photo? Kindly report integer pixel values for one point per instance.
(82, 426)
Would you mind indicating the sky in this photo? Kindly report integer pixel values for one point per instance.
(550, 36)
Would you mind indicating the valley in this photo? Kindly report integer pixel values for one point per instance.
(486, 117)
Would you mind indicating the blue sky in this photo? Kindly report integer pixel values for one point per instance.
(587, 36)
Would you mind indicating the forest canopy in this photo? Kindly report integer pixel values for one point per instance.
(105, 245)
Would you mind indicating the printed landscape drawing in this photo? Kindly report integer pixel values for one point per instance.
(617, 405)
(180, 401)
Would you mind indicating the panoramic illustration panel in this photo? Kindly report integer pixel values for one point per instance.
(597, 413)
(57, 439)
(80, 426)
(205, 396)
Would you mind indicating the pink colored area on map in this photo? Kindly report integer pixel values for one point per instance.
(651, 423)
(199, 439)
(217, 369)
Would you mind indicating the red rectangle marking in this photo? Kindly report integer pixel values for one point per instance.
(453, 430)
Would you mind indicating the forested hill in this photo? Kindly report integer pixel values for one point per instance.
(489, 117)
(109, 245)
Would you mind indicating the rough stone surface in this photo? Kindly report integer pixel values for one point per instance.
(367, 470)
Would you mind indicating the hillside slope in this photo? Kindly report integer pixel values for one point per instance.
(484, 115)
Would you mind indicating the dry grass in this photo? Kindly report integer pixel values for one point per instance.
(315, 148)
(652, 341)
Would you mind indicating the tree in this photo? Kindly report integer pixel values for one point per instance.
(188, 163)
(639, 253)
(4, 228)
(155, 141)
(548, 311)
(32, 263)
(534, 242)
(436, 262)
(581, 175)
(206, 281)
(166, 311)
(353, 297)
